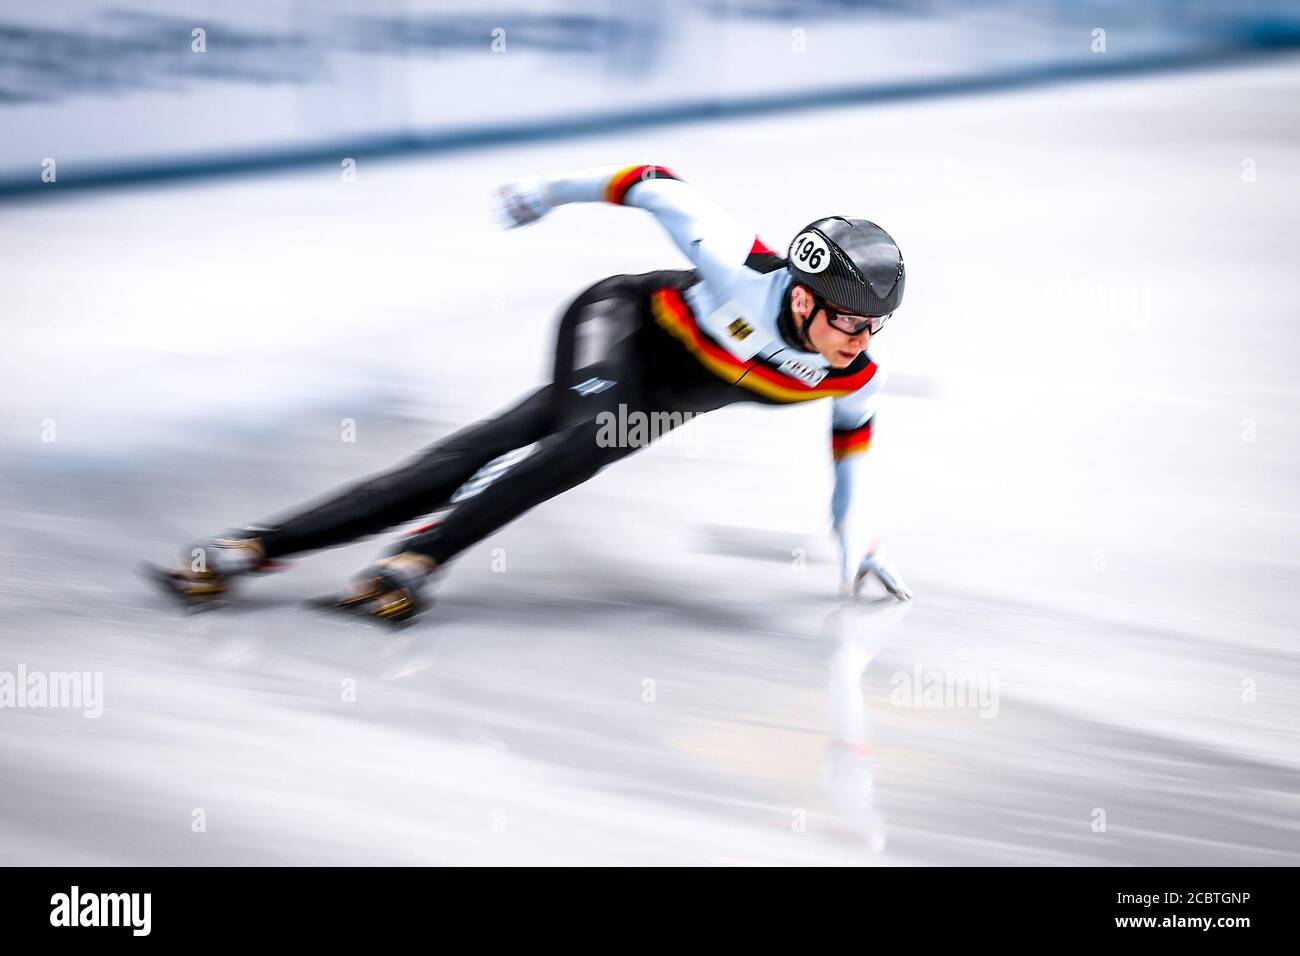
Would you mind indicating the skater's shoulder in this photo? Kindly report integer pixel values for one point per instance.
(763, 260)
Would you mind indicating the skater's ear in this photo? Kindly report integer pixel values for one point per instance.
(802, 301)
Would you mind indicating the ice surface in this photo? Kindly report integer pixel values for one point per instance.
(1086, 464)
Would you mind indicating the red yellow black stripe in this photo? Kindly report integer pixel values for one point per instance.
(850, 441)
(674, 315)
(629, 176)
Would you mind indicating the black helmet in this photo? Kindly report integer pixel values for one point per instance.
(850, 262)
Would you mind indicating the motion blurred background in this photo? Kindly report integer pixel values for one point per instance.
(247, 254)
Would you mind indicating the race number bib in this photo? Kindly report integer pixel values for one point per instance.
(809, 252)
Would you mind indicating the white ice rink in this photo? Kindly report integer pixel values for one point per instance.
(1087, 464)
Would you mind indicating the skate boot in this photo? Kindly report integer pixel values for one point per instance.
(393, 589)
(203, 576)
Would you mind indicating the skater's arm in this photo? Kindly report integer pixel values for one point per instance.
(852, 419)
(711, 239)
(702, 230)
(848, 514)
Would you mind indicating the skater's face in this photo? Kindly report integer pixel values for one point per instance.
(838, 347)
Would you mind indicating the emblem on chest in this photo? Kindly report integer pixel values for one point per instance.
(731, 328)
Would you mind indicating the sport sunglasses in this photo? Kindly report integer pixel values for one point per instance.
(848, 323)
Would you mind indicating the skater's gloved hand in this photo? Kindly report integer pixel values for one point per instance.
(858, 563)
(878, 564)
(522, 201)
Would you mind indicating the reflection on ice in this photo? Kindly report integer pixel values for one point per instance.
(858, 631)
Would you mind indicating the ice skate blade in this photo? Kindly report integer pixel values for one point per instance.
(330, 605)
(165, 580)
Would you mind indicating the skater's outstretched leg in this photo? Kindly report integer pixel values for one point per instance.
(596, 367)
(424, 484)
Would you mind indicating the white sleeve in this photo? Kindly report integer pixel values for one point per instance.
(852, 419)
(712, 240)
